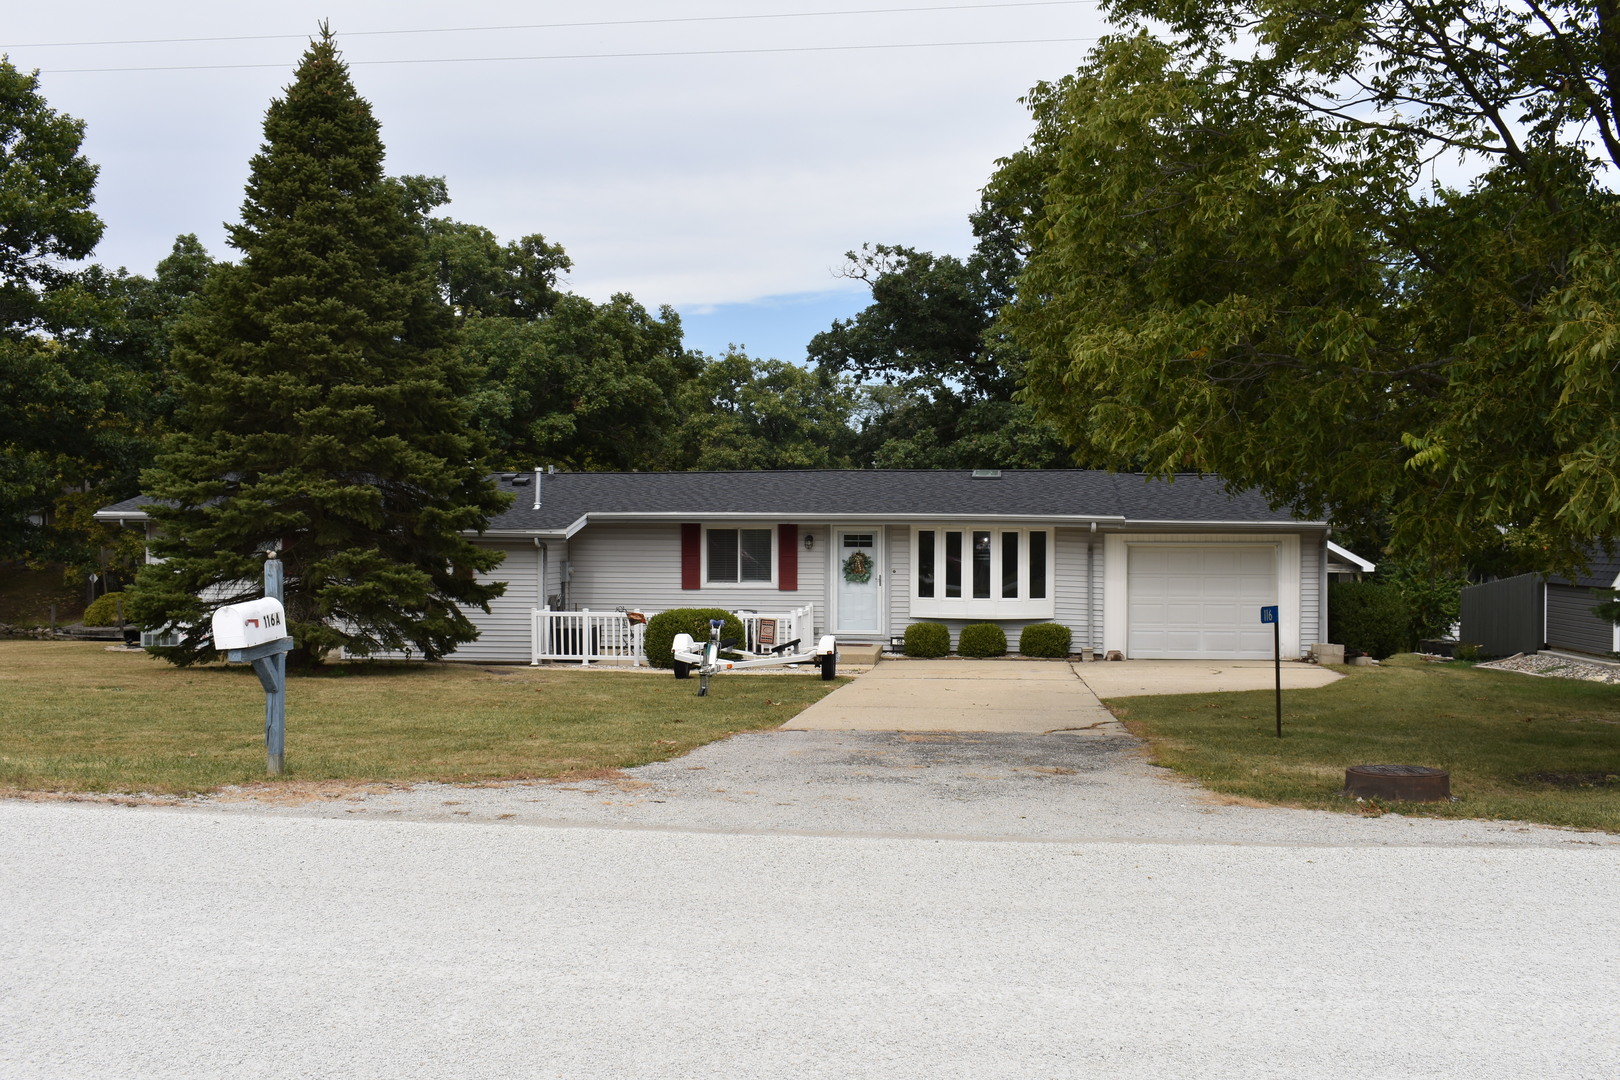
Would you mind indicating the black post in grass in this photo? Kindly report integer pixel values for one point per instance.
(1269, 615)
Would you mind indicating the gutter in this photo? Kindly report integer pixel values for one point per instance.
(811, 515)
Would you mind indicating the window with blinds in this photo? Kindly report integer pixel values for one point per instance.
(739, 556)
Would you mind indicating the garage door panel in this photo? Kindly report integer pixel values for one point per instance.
(1199, 602)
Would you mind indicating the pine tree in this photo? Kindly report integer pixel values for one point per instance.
(323, 410)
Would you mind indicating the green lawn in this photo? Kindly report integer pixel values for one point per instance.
(76, 717)
(1545, 750)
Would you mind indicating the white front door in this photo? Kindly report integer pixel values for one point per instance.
(858, 582)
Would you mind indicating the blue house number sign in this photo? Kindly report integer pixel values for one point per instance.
(1268, 614)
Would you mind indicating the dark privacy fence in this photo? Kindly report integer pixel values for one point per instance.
(1505, 617)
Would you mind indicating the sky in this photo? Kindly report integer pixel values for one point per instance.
(725, 177)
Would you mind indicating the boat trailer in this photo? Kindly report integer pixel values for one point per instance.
(708, 661)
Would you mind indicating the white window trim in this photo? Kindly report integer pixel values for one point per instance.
(1116, 567)
(996, 606)
(776, 555)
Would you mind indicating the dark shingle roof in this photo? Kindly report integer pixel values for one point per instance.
(1054, 493)
(1601, 571)
(1118, 498)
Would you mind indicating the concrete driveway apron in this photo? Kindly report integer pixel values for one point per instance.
(1023, 697)
(1134, 678)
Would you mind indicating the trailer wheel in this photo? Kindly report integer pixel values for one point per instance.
(683, 670)
(829, 666)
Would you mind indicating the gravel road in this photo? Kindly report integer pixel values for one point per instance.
(806, 904)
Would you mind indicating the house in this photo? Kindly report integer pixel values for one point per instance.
(1174, 569)
(1531, 612)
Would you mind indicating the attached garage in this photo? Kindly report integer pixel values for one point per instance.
(1191, 602)
(1198, 597)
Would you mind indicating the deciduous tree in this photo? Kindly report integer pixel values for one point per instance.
(1361, 255)
(53, 394)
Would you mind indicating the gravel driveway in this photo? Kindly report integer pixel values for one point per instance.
(802, 904)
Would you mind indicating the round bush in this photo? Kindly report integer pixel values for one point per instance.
(928, 640)
(662, 628)
(1044, 639)
(982, 639)
(1368, 618)
(103, 610)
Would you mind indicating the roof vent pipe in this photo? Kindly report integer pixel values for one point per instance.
(537, 475)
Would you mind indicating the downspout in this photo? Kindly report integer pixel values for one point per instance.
(540, 554)
(1321, 601)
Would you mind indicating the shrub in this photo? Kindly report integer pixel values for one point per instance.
(1044, 639)
(103, 610)
(1433, 595)
(662, 628)
(982, 639)
(1369, 618)
(928, 639)
(1468, 652)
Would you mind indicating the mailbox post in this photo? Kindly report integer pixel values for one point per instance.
(1269, 615)
(255, 632)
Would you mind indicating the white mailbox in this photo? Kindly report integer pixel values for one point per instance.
(242, 626)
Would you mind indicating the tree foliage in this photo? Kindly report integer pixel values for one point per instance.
(588, 386)
(738, 412)
(1246, 260)
(53, 394)
(940, 375)
(477, 274)
(324, 409)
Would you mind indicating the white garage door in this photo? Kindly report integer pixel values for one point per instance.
(1199, 603)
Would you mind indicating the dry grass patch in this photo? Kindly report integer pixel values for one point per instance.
(76, 717)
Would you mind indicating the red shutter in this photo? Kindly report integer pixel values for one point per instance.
(787, 558)
(691, 556)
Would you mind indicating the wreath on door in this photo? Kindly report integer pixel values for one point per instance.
(858, 568)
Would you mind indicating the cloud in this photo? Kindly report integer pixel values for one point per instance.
(700, 181)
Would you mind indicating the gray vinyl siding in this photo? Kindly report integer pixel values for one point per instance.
(556, 557)
(1099, 567)
(1072, 596)
(1310, 593)
(899, 581)
(639, 566)
(1571, 624)
(503, 633)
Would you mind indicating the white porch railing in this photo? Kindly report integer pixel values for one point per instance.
(611, 635)
(763, 631)
(587, 636)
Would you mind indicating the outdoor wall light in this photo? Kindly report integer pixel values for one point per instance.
(809, 541)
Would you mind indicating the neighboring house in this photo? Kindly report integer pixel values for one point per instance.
(1532, 611)
(1346, 565)
(1150, 568)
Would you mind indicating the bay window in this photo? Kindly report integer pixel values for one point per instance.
(1007, 572)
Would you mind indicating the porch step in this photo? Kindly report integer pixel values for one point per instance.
(859, 653)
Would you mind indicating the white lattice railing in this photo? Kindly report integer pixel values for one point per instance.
(612, 635)
(587, 636)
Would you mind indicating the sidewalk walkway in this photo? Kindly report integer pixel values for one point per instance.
(962, 695)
